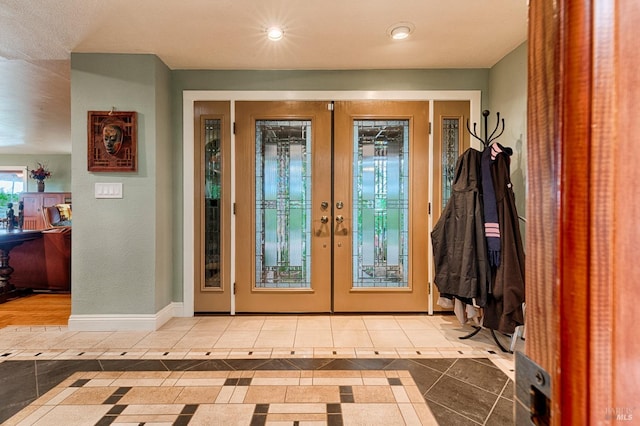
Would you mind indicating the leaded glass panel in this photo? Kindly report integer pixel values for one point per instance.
(283, 204)
(380, 203)
(212, 203)
(450, 153)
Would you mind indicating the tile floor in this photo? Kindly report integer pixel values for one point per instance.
(258, 370)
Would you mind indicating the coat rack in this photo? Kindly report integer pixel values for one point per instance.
(487, 139)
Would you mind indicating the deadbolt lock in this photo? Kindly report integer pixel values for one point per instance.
(339, 205)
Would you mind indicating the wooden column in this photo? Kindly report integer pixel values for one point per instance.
(584, 205)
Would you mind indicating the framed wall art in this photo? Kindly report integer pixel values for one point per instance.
(112, 141)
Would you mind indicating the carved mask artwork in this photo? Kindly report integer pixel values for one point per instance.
(112, 137)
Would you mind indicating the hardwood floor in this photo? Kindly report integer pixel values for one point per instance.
(36, 309)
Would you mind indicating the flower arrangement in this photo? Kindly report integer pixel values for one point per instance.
(40, 173)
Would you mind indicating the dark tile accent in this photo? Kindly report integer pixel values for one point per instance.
(486, 361)
(394, 381)
(342, 364)
(79, 383)
(459, 396)
(122, 390)
(231, 382)
(244, 381)
(334, 409)
(334, 420)
(484, 376)
(502, 413)
(182, 420)
(189, 409)
(106, 420)
(346, 394)
(113, 399)
(509, 391)
(186, 414)
(309, 363)
(424, 377)
(347, 398)
(277, 364)
(117, 395)
(18, 386)
(246, 364)
(261, 409)
(116, 409)
(444, 416)
(439, 364)
(133, 365)
(198, 365)
(50, 373)
(372, 363)
(259, 417)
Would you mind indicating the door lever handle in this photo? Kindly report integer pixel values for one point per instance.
(324, 219)
(339, 219)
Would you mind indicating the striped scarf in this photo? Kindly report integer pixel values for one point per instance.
(491, 226)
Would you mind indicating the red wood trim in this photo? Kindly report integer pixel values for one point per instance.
(575, 207)
(604, 137)
(626, 292)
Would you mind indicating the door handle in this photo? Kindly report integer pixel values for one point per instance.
(324, 219)
(340, 228)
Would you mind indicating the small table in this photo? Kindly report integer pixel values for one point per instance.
(9, 240)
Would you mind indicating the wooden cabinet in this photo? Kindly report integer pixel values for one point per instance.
(34, 202)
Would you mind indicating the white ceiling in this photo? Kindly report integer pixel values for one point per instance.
(37, 37)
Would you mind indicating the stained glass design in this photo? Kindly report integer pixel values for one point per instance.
(380, 203)
(283, 204)
(212, 203)
(450, 153)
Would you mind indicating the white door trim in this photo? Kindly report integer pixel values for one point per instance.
(189, 97)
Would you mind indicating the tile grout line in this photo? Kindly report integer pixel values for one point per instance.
(495, 403)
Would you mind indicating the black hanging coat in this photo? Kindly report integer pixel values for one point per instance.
(504, 305)
(459, 247)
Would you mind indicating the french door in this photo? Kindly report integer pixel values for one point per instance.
(331, 206)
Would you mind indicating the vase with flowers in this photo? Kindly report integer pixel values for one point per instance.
(40, 173)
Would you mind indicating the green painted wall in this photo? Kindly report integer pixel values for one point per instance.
(121, 247)
(508, 95)
(127, 253)
(58, 164)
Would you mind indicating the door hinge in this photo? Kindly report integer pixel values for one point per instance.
(429, 127)
(234, 127)
(330, 106)
(429, 208)
(234, 289)
(234, 208)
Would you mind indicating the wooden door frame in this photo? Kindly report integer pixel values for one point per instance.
(189, 97)
(582, 274)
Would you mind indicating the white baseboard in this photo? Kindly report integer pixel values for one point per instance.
(126, 322)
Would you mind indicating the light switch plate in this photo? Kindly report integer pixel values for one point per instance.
(108, 190)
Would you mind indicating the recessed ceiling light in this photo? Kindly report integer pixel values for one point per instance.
(275, 33)
(400, 31)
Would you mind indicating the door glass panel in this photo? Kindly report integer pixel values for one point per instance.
(283, 204)
(380, 203)
(450, 153)
(213, 199)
